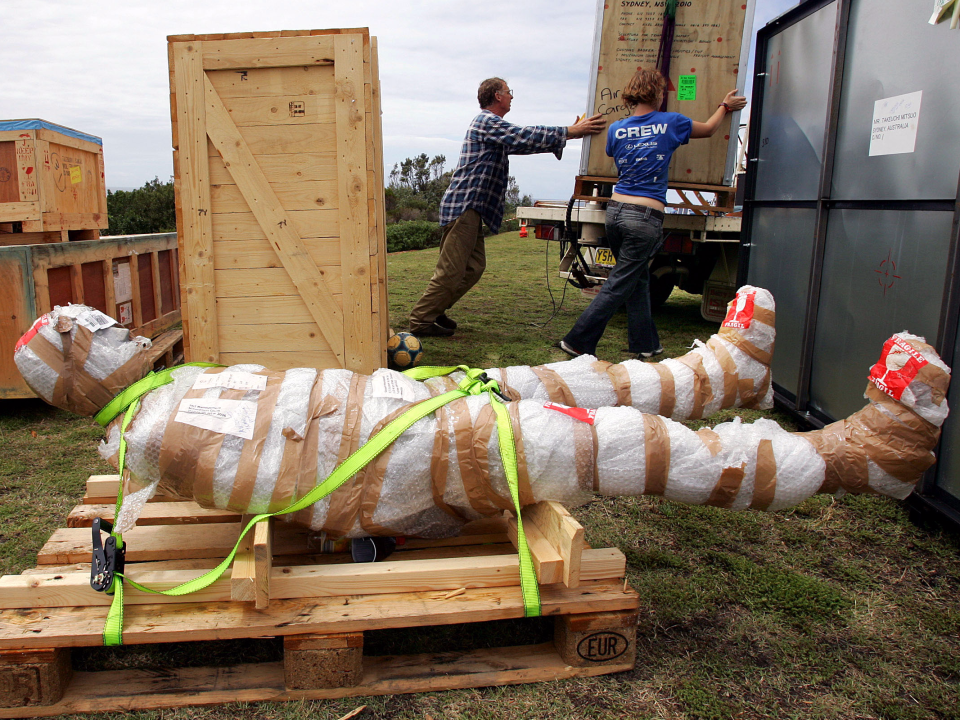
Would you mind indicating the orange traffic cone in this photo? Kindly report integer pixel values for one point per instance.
(523, 231)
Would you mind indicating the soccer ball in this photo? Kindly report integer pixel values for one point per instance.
(404, 351)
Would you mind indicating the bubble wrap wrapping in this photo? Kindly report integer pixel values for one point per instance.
(446, 469)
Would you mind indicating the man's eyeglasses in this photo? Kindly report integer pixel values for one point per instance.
(508, 91)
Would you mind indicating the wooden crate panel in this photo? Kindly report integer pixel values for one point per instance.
(51, 180)
(272, 149)
(706, 45)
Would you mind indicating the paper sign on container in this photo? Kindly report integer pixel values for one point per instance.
(230, 417)
(387, 384)
(895, 121)
(232, 380)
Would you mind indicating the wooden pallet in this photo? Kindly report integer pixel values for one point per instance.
(321, 604)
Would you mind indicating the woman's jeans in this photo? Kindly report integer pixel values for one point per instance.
(634, 233)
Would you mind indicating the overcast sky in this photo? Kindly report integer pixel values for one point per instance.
(101, 68)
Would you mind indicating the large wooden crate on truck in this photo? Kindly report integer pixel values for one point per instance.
(279, 181)
(51, 183)
(705, 63)
(133, 279)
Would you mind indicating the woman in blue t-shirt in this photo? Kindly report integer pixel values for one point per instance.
(641, 145)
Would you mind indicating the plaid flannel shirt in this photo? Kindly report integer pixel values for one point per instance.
(480, 178)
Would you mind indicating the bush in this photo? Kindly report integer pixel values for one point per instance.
(150, 209)
(412, 235)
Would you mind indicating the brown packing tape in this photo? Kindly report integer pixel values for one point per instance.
(702, 391)
(345, 500)
(48, 353)
(523, 473)
(656, 448)
(765, 315)
(731, 373)
(710, 440)
(284, 491)
(372, 476)
(483, 429)
(440, 463)
(620, 379)
(937, 379)
(725, 491)
(585, 454)
(249, 462)
(734, 337)
(765, 477)
(844, 466)
(307, 474)
(471, 474)
(668, 390)
(505, 388)
(555, 386)
(206, 460)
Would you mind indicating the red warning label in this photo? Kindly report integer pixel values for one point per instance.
(898, 365)
(587, 415)
(31, 333)
(740, 311)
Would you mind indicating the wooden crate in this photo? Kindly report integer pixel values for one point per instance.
(706, 47)
(51, 183)
(278, 173)
(320, 604)
(132, 279)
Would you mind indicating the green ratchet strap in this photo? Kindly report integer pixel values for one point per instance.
(140, 388)
(475, 383)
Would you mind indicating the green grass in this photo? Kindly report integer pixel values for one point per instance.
(836, 609)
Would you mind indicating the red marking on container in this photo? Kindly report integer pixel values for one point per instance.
(719, 39)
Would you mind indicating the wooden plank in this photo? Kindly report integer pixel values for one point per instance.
(263, 311)
(322, 223)
(286, 139)
(283, 360)
(296, 195)
(271, 338)
(247, 110)
(193, 196)
(272, 82)
(353, 192)
(563, 532)
(69, 141)
(304, 581)
(255, 682)
(379, 252)
(154, 513)
(67, 627)
(262, 562)
(275, 224)
(17, 211)
(272, 282)
(235, 254)
(243, 54)
(243, 569)
(546, 560)
(306, 167)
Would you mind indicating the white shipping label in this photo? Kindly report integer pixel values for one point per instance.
(122, 287)
(895, 121)
(94, 320)
(231, 379)
(387, 384)
(230, 417)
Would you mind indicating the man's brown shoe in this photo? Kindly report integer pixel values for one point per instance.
(434, 330)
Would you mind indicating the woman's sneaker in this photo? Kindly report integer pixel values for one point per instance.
(650, 354)
(568, 350)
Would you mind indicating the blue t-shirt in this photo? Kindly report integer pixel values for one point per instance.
(642, 146)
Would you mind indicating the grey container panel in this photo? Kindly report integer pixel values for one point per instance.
(948, 462)
(883, 272)
(892, 51)
(780, 262)
(794, 113)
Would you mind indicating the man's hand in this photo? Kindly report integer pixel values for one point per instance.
(734, 102)
(587, 126)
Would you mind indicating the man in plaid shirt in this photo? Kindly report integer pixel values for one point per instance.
(476, 196)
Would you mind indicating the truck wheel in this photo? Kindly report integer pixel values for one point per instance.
(661, 285)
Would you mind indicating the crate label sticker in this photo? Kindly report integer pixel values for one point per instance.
(32, 332)
(587, 415)
(94, 320)
(392, 385)
(229, 417)
(898, 365)
(895, 121)
(740, 311)
(232, 380)
(125, 312)
(76, 174)
(687, 87)
(122, 287)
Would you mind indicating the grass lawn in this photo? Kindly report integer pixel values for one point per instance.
(835, 609)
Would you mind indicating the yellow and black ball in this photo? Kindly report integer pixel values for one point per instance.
(404, 351)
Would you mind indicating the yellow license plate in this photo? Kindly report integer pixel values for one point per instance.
(604, 258)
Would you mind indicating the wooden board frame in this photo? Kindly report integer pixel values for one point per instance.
(309, 284)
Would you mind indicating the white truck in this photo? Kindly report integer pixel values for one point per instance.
(706, 44)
